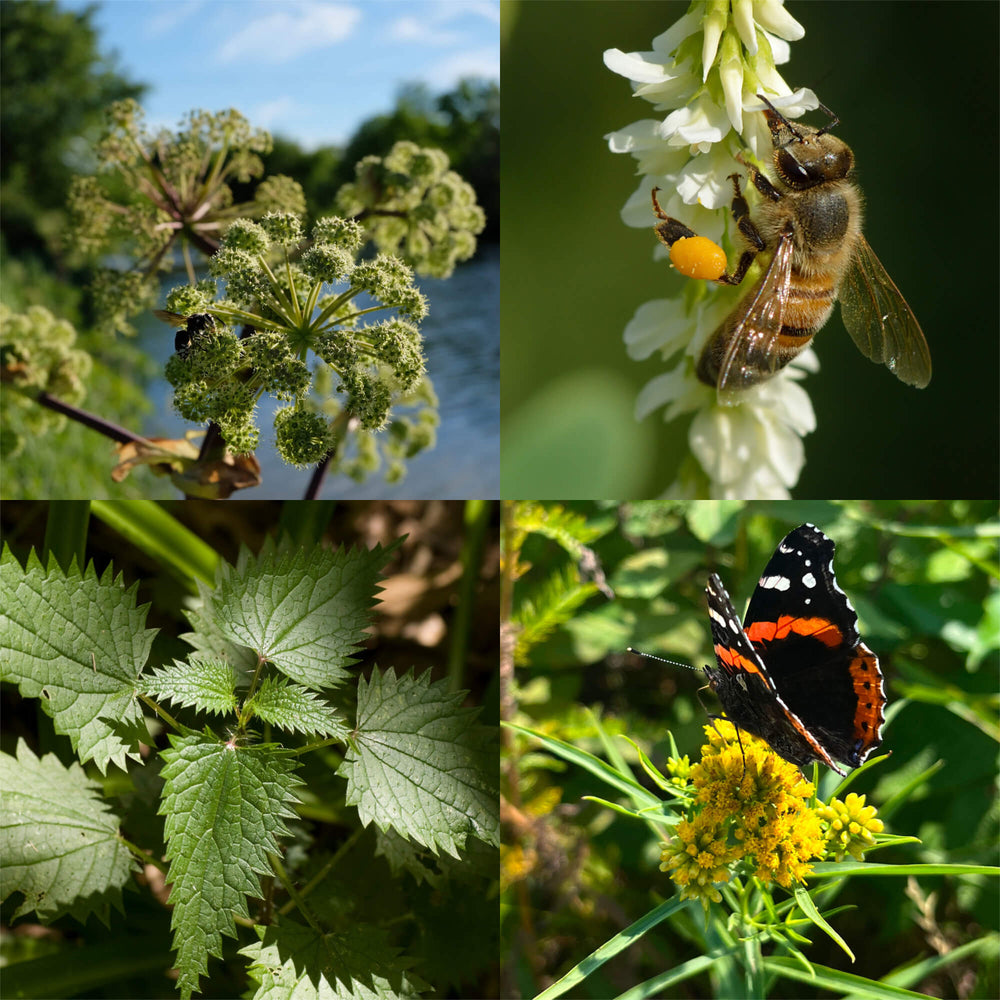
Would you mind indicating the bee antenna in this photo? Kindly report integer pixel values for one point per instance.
(833, 124)
(791, 128)
(653, 656)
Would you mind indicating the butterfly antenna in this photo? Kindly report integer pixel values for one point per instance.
(653, 656)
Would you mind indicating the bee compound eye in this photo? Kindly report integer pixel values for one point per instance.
(698, 257)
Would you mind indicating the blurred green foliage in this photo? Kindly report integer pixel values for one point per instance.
(923, 579)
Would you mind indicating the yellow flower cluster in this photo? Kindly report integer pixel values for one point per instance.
(755, 811)
(849, 826)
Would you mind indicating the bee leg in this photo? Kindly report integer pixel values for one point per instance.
(741, 213)
(669, 230)
(762, 184)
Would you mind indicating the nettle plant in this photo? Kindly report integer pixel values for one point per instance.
(271, 647)
(280, 314)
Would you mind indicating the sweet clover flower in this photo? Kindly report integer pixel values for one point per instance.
(703, 75)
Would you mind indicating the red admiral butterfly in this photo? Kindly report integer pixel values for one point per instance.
(796, 673)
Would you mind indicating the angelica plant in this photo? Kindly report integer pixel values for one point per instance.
(37, 356)
(298, 306)
(164, 193)
(413, 206)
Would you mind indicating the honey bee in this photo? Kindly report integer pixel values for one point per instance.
(810, 222)
(191, 327)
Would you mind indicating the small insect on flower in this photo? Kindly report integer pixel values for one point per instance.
(192, 327)
(693, 256)
(809, 221)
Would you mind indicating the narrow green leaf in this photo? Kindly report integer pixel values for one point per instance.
(580, 758)
(614, 946)
(356, 964)
(155, 531)
(305, 610)
(296, 709)
(225, 808)
(808, 907)
(825, 978)
(59, 841)
(841, 869)
(77, 643)
(418, 763)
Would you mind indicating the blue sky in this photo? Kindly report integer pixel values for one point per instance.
(308, 70)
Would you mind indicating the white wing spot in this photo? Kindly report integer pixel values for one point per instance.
(809, 580)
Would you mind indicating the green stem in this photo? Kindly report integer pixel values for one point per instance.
(477, 516)
(296, 898)
(318, 878)
(162, 713)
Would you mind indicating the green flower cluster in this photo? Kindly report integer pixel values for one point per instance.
(413, 206)
(36, 355)
(283, 301)
(158, 192)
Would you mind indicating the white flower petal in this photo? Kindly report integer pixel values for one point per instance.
(772, 16)
(639, 67)
(744, 22)
(657, 326)
(638, 135)
(688, 24)
(695, 123)
(655, 393)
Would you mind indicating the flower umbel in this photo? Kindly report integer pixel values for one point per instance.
(413, 206)
(167, 191)
(706, 71)
(37, 354)
(287, 309)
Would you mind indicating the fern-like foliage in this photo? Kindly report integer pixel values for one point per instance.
(550, 605)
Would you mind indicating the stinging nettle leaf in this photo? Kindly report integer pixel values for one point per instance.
(304, 610)
(225, 808)
(419, 763)
(77, 643)
(208, 685)
(59, 843)
(357, 963)
(296, 709)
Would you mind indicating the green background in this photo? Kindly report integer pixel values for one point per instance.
(915, 86)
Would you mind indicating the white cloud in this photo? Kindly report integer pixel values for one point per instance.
(289, 31)
(166, 17)
(427, 26)
(273, 114)
(415, 29)
(484, 62)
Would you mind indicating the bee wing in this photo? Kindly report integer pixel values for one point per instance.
(879, 320)
(752, 355)
(174, 319)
